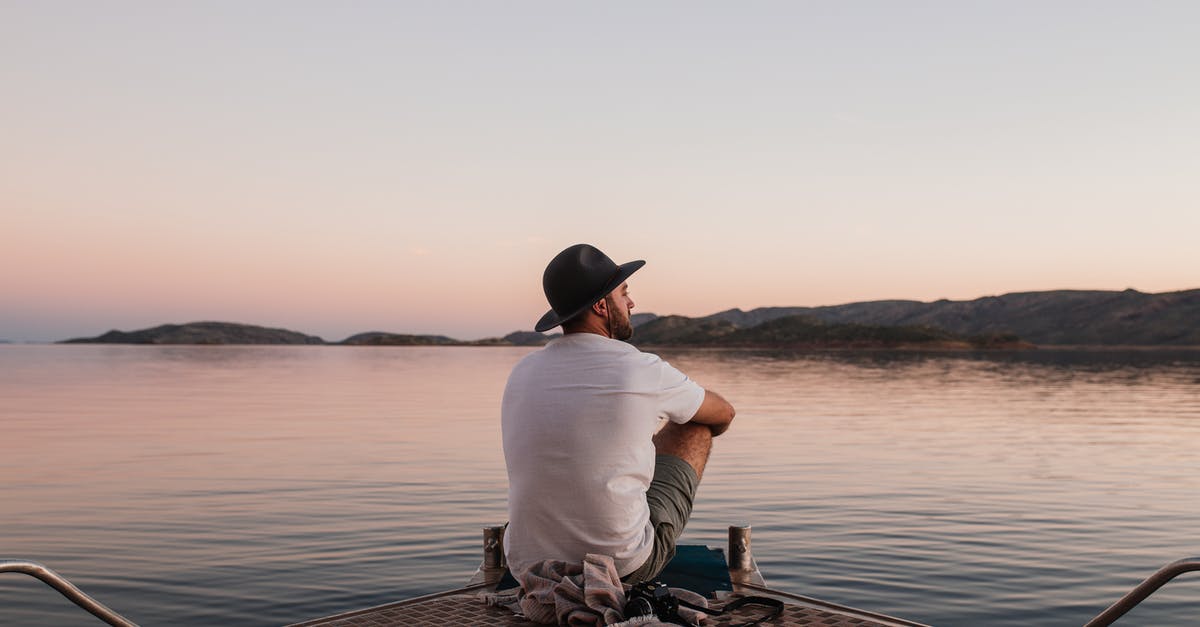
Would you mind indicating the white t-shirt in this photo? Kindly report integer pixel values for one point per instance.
(578, 417)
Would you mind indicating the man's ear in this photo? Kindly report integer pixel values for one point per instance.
(601, 308)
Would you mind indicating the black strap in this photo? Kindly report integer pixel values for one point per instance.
(737, 604)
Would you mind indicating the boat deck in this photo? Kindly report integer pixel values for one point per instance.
(463, 607)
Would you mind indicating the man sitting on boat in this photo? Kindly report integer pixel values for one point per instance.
(587, 471)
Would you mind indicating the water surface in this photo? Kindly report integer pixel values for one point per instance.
(267, 485)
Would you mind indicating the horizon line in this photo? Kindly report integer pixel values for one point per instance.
(489, 337)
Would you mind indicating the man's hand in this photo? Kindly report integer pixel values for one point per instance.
(715, 412)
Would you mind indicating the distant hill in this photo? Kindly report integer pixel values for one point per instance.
(202, 333)
(1063, 317)
(528, 338)
(683, 331)
(379, 338)
(638, 319)
(808, 332)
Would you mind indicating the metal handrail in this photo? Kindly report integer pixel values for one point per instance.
(67, 589)
(1143, 590)
(104, 613)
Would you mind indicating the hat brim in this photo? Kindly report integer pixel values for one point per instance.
(553, 319)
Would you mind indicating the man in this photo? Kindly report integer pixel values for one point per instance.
(587, 473)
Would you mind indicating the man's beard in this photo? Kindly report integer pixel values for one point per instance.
(619, 326)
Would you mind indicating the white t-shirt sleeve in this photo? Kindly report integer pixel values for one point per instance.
(678, 396)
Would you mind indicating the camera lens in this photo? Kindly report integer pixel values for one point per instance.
(638, 606)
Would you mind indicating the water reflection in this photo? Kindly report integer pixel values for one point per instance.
(262, 485)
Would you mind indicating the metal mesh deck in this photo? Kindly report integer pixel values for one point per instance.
(466, 609)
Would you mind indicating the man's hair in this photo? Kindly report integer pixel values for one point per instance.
(576, 321)
(573, 323)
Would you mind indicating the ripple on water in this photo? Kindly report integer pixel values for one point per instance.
(262, 486)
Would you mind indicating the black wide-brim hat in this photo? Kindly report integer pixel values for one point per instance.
(578, 278)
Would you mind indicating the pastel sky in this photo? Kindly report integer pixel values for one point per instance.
(411, 166)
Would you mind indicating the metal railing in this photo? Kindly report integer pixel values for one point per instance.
(741, 563)
(67, 589)
(1143, 590)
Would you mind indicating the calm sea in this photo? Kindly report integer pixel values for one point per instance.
(261, 486)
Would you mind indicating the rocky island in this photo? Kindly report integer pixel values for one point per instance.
(232, 333)
(1011, 321)
(807, 332)
(673, 331)
(202, 333)
(379, 338)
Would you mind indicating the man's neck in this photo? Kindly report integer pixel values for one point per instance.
(592, 324)
(600, 332)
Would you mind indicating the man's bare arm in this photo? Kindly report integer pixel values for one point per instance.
(715, 412)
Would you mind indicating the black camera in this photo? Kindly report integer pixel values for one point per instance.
(653, 598)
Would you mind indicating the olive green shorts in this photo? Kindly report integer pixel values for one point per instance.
(670, 498)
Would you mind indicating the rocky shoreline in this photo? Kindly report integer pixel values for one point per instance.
(660, 332)
(1063, 318)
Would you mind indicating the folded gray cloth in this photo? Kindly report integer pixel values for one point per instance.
(585, 594)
